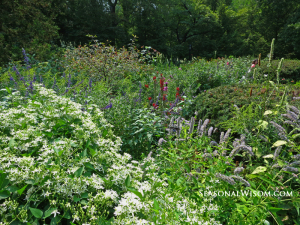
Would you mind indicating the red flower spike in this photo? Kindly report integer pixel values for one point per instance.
(146, 85)
(177, 89)
(154, 78)
(149, 98)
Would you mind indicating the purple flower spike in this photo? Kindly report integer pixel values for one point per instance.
(26, 60)
(16, 70)
(108, 106)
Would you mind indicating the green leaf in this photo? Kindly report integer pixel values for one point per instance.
(79, 172)
(11, 143)
(274, 210)
(85, 195)
(279, 143)
(36, 212)
(59, 153)
(20, 191)
(136, 192)
(104, 133)
(3, 181)
(48, 212)
(268, 156)
(127, 181)
(155, 205)
(187, 168)
(12, 188)
(4, 194)
(76, 199)
(92, 151)
(259, 169)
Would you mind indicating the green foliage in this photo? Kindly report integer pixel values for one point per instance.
(217, 104)
(29, 25)
(105, 63)
(290, 70)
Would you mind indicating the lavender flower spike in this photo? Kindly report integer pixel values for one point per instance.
(226, 178)
(238, 170)
(291, 169)
(227, 135)
(241, 180)
(295, 109)
(277, 151)
(161, 141)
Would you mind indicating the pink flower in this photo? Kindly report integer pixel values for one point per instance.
(253, 65)
(180, 68)
(165, 88)
(227, 63)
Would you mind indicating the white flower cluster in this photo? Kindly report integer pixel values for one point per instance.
(54, 144)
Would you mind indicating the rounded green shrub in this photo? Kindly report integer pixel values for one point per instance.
(217, 104)
(290, 70)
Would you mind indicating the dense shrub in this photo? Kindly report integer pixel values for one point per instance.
(290, 70)
(100, 62)
(218, 104)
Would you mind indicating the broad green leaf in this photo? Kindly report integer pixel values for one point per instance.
(279, 143)
(127, 181)
(268, 156)
(48, 212)
(104, 133)
(4, 194)
(268, 112)
(155, 205)
(259, 169)
(36, 212)
(12, 188)
(59, 153)
(136, 192)
(79, 172)
(20, 191)
(85, 195)
(263, 124)
(76, 199)
(92, 151)
(274, 210)
(3, 181)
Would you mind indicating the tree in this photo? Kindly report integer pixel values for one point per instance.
(28, 24)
